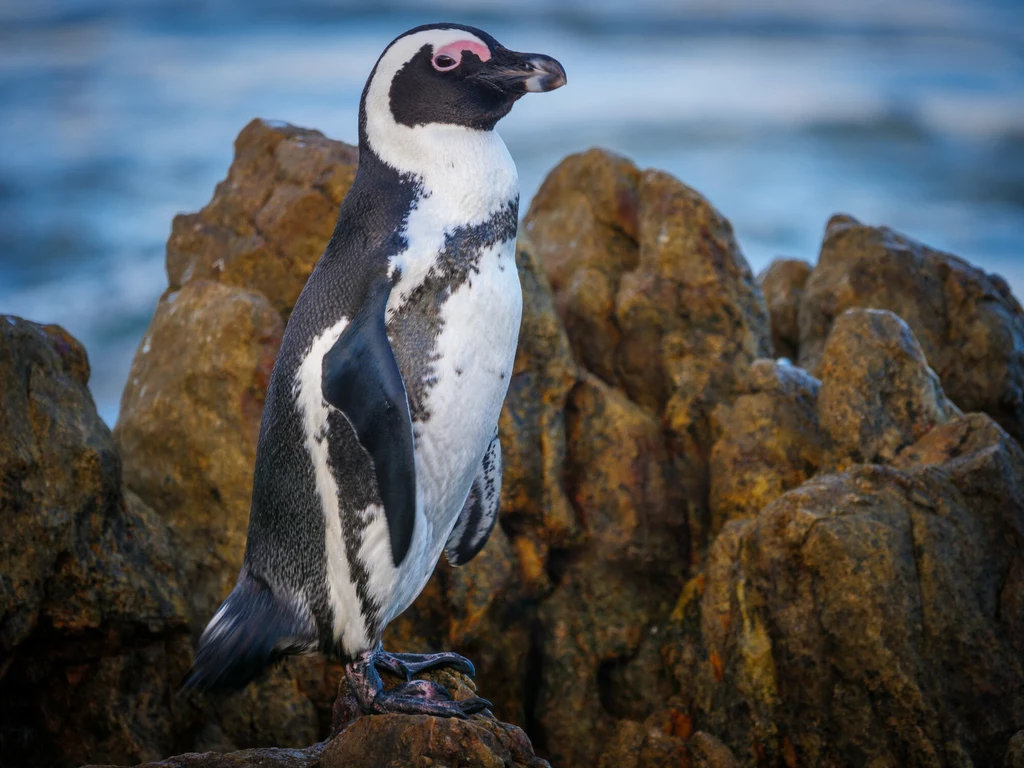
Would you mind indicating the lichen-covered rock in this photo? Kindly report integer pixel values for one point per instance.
(534, 503)
(647, 276)
(269, 220)
(968, 323)
(394, 741)
(610, 591)
(674, 580)
(782, 284)
(885, 400)
(656, 298)
(874, 613)
(93, 625)
(769, 442)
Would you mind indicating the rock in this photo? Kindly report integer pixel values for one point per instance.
(645, 744)
(708, 752)
(395, 741)
(874, 613)
(391, 741)
(886, 400)
(610, 591)
(969, 325)
(656, 298)
(646, 274)
(250, 758)
(675, 578)
(534, 504)
(1015, 752)
(93, 635)
(782, 284)
(190, 417)
(769, 442)
(269, 220)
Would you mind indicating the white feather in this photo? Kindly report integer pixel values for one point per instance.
(476, 350)
(349, 625)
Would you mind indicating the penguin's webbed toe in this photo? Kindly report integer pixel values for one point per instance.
(422, 697)
(413, 697)
(405, 665)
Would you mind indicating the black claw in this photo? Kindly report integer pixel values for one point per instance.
(472, 706)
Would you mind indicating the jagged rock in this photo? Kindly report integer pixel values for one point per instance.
(969, 325)
(769, 442)
(391, 741)
(656, 297)
(782, 284)
(647, 276)
(269, 220)
(647, 744)
(885, 400)
(874, 614)
(93, 628)
(611, 590)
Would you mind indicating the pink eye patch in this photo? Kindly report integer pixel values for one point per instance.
(453, 53)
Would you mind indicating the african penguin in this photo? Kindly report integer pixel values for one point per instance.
(378, 447)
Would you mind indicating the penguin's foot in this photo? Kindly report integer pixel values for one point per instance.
(416, 697)
(405, 665)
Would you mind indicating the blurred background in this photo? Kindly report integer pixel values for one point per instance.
(117, 114)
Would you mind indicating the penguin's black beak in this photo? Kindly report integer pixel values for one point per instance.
(519, 73)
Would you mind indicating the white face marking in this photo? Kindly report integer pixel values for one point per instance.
(467, 175)
(349, 625)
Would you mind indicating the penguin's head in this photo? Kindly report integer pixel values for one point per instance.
(451, 75)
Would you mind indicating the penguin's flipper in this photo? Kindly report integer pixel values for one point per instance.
(480, 512)
(362, 380)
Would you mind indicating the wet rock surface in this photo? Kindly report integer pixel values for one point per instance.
(706, 557)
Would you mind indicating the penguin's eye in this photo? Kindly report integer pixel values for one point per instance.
(443, 62)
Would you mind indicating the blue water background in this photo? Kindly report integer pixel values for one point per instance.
(117, 114)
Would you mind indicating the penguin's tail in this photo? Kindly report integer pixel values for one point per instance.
(252, 629)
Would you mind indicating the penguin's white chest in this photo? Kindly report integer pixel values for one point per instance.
(474, 355)
(471, 366)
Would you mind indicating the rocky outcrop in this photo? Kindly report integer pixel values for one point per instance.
(389, 741)
(656, 298)
(269, 220)
(969, 325)
(190, 416)
(889, 399)
(706, 557)
(873, 615)
(94, 628)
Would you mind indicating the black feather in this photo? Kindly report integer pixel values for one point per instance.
(254, 629)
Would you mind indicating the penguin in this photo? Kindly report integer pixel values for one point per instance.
(378, 446)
